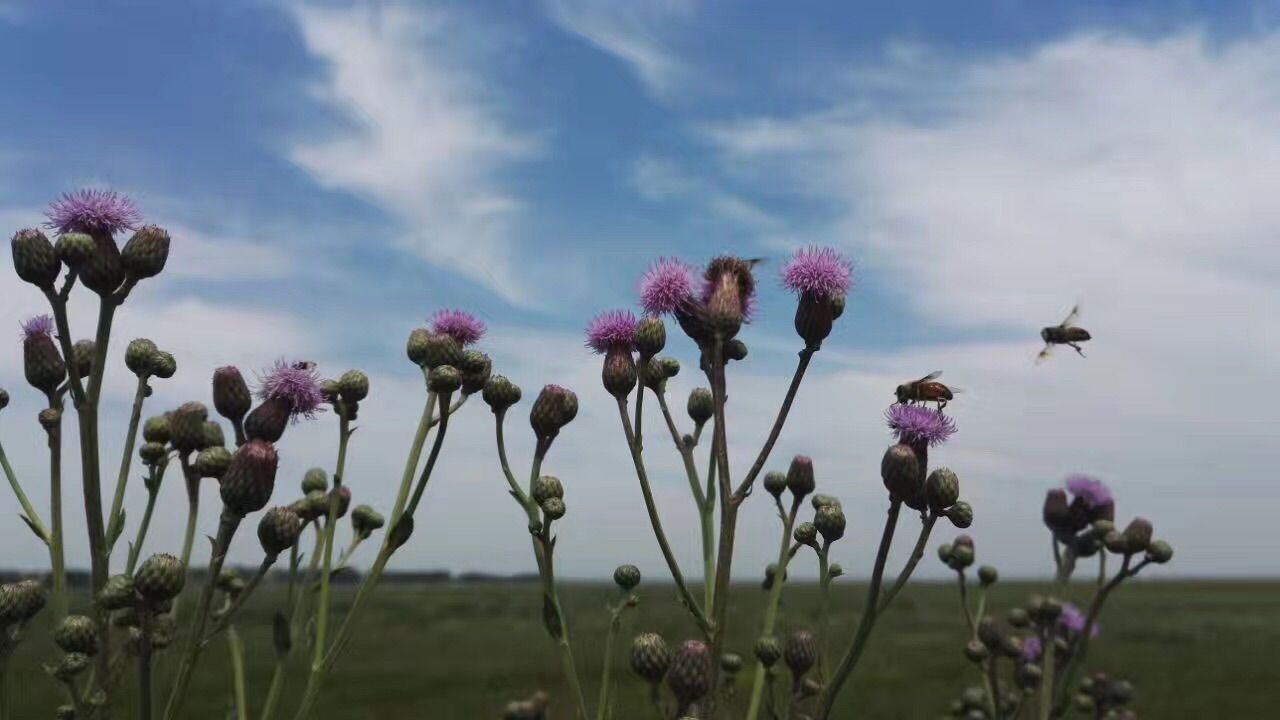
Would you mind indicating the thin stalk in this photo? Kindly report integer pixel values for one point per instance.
(917, 553)
(421, 486)
(964, 604)
(144, 669)
(313, 568)
(615, 623)
(224, 620)
(236, 649)
(655, 522)
(824, 608)
(57, 545)
(273, 692)
(563, 645)
(850, 660)
(993, 678)
(639, 422)
(775, 599)
(411, 463)
(704, 501)
(115, 519)
(277, 675)
(135, 549)
(707, 522)
(192, 480)
(1066, 563)
(322, 622)
(686, 452)
(27, 508)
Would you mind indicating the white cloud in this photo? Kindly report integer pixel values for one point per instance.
(424, 137)
(632, 32)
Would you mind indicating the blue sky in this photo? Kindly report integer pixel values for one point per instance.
(334, 172)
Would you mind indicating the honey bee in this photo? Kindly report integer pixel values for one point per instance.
(1065, 333)
(926, 389)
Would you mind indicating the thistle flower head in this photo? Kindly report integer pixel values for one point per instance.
(92, 210)
(1073, 620)
(1090, 490)
(297, 383)
(458, 324)
(612, 330)
(38, 326)
(817, 271)
(1031, 649)
(666, 286)
(919, 424)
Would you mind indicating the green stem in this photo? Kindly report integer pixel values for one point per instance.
(313, 569)
(192, 479)
(926, 528)
(144, 668)
(707, 521)
(562, 635)
(704, 502)
(771, 609)
(655, 522)
(411, 464)
(224, 620)
(116, 518)
(322, 622)
(1066, 563)
(824, 608)
(993, 678)
(236, 650)
(57, 546)
(868, 621)
(27, 508)
(425, 477)
(615, 622)
(964, 604)
(135, 550)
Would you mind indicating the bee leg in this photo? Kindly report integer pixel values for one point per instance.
(1078, 349)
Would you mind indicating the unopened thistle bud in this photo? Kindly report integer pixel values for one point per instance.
(231, 396)
(160, 578)
(315, 479)
(365, 520)
(82, 355)
(768, 650)
(1018, 617)
(988, 575)
(835, 571)
(70, 665)
(553, 508)
(213, 462)
(438, 350)
(618, 374)
(830, 522)
(731, 663)
(213, 435)
(735, 350)
(1159, 552)
(139, 356)
(102, 272)
(353, 386)
(250, 478)
(960, 514)
(444, 379)
(690, 674)
(650, 336)
(500, 393)
(74, 249)
(554, 408)
(976, 652)
(164, 366)
(30, 598)
(650, 657)
(961, 556)
(117, 593)
(627, 577)
(775, 483)
(800, 477)
(49, 418)
(545, 488)
(476, 368)
(145, 254)
(806, 533)
(942, 489)
(34, 258)
(1137, 535)
(230, 582)
(278, 530)
(342, 497)
(701, 405)
(821, 499)
(77, 634)
(156, 429)
(186, 426)
(900, 471)
(1056, 512)
(152, 453)
(316, 505)
(800, 652)
(818, 276)
(416, 346)
(42, 364)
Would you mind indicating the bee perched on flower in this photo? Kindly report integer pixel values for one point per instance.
(288, 391)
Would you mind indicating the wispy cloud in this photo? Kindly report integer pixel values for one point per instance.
(423, 137)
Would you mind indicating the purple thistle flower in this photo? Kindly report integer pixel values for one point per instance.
(1031, 649)
(40, 325)
(919, 424)
(819, 271)
(612, 329)
(1090, 490)
(458, 324)
(1073, 621)
(666, 286)
(91, 210)
(297, 383)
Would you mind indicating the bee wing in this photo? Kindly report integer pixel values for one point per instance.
(1072, 317)
(1045, 353)
(955, 390)
(931, 376)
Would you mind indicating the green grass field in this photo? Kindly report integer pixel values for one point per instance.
(1193, 650)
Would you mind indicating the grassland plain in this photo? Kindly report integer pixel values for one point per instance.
(1194, 650)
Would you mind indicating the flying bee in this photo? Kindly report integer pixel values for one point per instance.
(1065, 333)
(926, 389)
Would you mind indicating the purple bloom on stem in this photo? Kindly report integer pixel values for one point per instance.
(1090, 490)
(91, 210)
(612, 329)
(40, 325)
(1073, 621)
(818, 271)
(458, 324)
(666, 286)
(297, 383)
(919, 424)
(1031, 649)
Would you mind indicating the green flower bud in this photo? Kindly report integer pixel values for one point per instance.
(82, 354)
(139, 356)
(50, 418)
(213, 435)
(416, 346)
(835, 570)
(29, 599)
(145, 254)
(117, 593)
(941, 489)
(670, 367)
(944, 553)
(775, 483)
(152, 453)
(806, 533)
(901, 472)
(735, 350)
(650, 657)
(1137, 535)
(689, 676)
(230, 582)
(819, 500)
(987, 575)
(652, 375)
(976, 652)
(960, 514)
(768, 650)
(77, 634)
(830, 521)
(554, 508)
(34, 258)
(315, 479)
(160, 578)
(701, 406)
(1159, 552)
(342, 496)
(353, 386)
(164, 366)
(330, 391)
(439, 350)
(500, 393)
(156, 429)
(545, 488)
(186, 426)
(75, 249)
(731, 663)
(42, 364)
(444, 379)
(800, 478)
(70, 665)
(961, 556)
(250, 478)
(278, 530)
(618, 373)
(800, 652)
(365, 520)
(102, 272)
(476, 368)
(1018, 618)
(627, 577)
(554, 408)
(213, 462)
(231, 396)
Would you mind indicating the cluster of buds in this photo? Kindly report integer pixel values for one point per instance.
(974, 705)
(1081, 516)
(1105, 697)
(687, 670)
(441, 350)
(904, 468)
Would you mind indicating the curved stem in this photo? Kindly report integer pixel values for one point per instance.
(192, 479)
(615, 622)
(331, 523)
(236, 649)
(917, 553)
(771, 609)
(115, 517)
(806, 356)
(224, 620)
(850, 659)
(136, 548)
(18, 492)
(411, 463)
